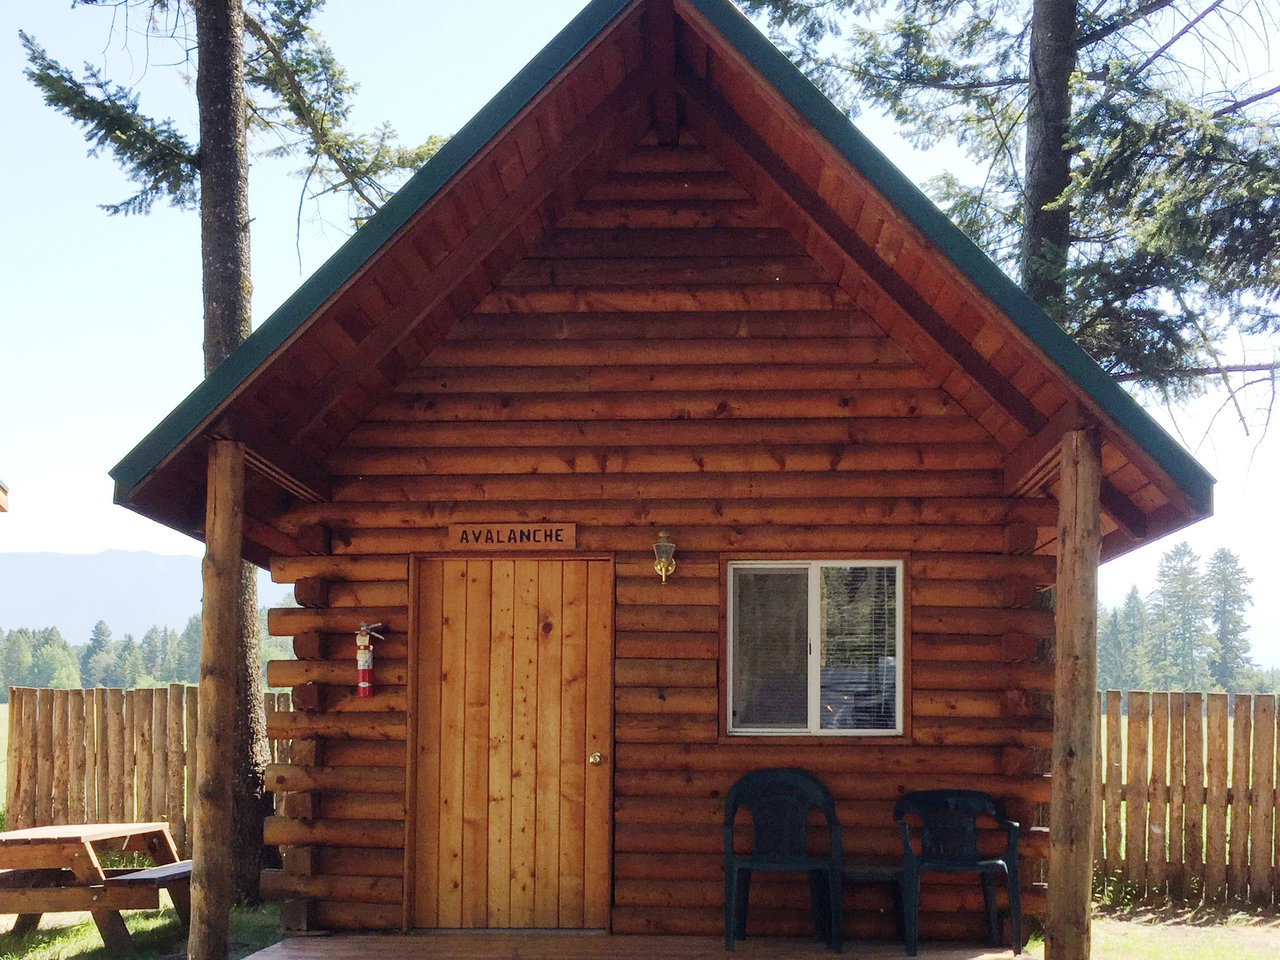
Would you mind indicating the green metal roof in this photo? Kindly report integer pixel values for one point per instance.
(824, 116)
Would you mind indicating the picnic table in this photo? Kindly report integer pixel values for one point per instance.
(56, 869)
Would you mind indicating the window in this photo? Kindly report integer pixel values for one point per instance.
(815, 647)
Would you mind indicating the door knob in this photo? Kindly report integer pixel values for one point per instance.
(595, 759)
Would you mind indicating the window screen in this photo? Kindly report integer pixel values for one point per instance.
(815, 647)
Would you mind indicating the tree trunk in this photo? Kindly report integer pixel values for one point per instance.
(1075, 701)
(1046, 234)
(224, 216)
(213, 847)
(224, 178)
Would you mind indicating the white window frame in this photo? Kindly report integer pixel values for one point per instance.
(813, 727)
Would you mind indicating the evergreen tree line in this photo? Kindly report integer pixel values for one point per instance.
(1188, 634)
(44, 658)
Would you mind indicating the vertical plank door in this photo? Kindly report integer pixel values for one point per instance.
(513, 717)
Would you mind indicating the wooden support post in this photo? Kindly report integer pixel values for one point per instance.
(211, 874)
(1075, 701)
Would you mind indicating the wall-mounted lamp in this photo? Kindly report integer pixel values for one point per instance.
(665, 553)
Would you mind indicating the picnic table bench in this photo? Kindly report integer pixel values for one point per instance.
(56, 869)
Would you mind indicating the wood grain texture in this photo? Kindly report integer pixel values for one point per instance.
(512, 826)
(643, 368)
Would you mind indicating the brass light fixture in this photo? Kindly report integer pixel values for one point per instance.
(665, 553)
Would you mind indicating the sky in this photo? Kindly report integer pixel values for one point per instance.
(100, 326)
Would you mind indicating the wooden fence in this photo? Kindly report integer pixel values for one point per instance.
(1188, 796)
(1188, 783)
(83, 756)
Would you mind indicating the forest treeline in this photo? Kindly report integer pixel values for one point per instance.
(1189, 633)
(44, 658)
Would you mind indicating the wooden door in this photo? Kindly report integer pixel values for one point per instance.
(510, 801)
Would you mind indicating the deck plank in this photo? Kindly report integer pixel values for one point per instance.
(524, 945)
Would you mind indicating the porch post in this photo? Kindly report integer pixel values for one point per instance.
(211, 887)
(1075, 700)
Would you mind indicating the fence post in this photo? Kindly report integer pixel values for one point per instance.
(1174, 867)
(1158, 794)
(1099, 772)
(177, 762)
(11, 767)
(1262, 804)
(75, 746)
(1135, 834)
(1238, 850)
(1193, 795)
(129, 755)
(24, 811)
(116, 755)
(61, 757)
(1115, 780)
(138, 705)
(193, 728)
(1215, 813)
(44, 748)
(158, 768)
(102, 731)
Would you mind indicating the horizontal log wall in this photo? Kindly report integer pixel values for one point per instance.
(695, 372)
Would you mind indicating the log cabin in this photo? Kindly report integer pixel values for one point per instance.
(661, 291)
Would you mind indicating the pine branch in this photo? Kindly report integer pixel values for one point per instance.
(1205, 339)
(1122, 21)
(152, 153)
(1178, 35)
(296, 99)
(1248, 101)
(1196, 372)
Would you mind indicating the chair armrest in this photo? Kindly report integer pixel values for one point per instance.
(908, 853)
(1011, 845)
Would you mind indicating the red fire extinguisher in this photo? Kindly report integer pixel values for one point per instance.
(364, 658)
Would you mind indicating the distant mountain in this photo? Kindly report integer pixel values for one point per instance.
(130, 591)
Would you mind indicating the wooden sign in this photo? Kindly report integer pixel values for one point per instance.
(513, 536)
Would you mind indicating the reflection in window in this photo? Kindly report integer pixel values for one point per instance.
(815, 647)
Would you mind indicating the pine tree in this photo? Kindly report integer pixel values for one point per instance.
(1108, 653)
(299, 100)
(1129, 187)
(128, 666)
(1135, 637)
(54, 666)
(16, 658)
(98, 657)
(1181, 642)
(170, 667)
(188, 659)
(151, 651)
(1122, 638)
(1228, 589)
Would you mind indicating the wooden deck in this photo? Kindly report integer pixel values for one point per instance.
(518, 945)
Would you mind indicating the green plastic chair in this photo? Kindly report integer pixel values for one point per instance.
(779, 801)
(948, 841)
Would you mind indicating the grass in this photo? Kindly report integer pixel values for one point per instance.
(1186, 934)
(156, 933)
